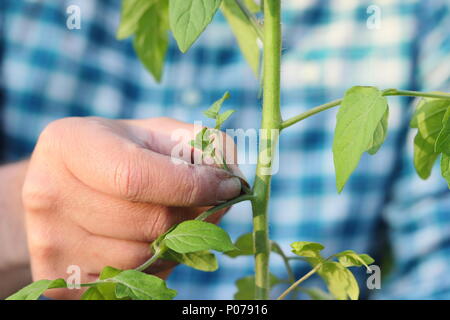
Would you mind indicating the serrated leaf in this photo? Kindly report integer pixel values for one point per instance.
(194, 235)
(140, 286)
(349, 258)
(361, 111)
(221, 118)
(152, 38)
(380, 134)
(201, 141)
(310, 250)
(213, 111)
(37, 289)
(189, 18)
(445, 168)
(202, 260)
(131, 13)
(244, 246)
(244, 32)
(339, 280)
(443, 139)
(246, 287)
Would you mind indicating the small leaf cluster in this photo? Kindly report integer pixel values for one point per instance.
(150, 21)
(362, 126)
(432, 139)
(340, 281)
(205, 138)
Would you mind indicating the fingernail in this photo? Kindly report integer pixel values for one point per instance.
(228, 189)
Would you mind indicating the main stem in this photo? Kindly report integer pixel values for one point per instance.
(270, 125)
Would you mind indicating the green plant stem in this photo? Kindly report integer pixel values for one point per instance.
(291, 276)
(395, 92)
(297, 283)
(310, 112)
(335, 103)
(158, 253)
(253, 20)
(222, 206)
(271, 120)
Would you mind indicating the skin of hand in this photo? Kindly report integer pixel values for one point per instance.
(98, 191)
(14, 258)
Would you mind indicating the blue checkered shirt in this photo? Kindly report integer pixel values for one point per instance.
(48, 71)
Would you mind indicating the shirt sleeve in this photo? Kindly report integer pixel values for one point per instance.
(417, 217)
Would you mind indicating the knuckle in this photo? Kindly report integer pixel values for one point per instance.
(129, 177)
(41, 246)
(190, 186)
(53, 137)
(37, 195)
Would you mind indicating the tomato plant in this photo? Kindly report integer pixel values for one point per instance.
(361, 126)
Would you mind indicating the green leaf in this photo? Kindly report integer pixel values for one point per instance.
(424, 156)
(244, 32)
(37, 289)
(105, 290)
(201, 260)
(189, 18)
(194, 235)
(428, 119)
(361, 111)
(246, 287)
(201, 141)
(252, 6)
(317, 294)
(445, 167)
(132, 11)
(443, 139)
(244, 246)
(339, 280)
(380, 134)
(429, 116)
(213, 111)
(152, 38)
(221, 118)
(94, 294)
(140, 286)
(349, 258)
(308, 250)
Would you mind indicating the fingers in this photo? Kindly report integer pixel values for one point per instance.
(82, 257)
(110, 161)
(108, 216)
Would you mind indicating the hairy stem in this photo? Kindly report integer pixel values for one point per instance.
(270, 125)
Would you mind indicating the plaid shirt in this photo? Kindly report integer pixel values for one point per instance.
(49, 72)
